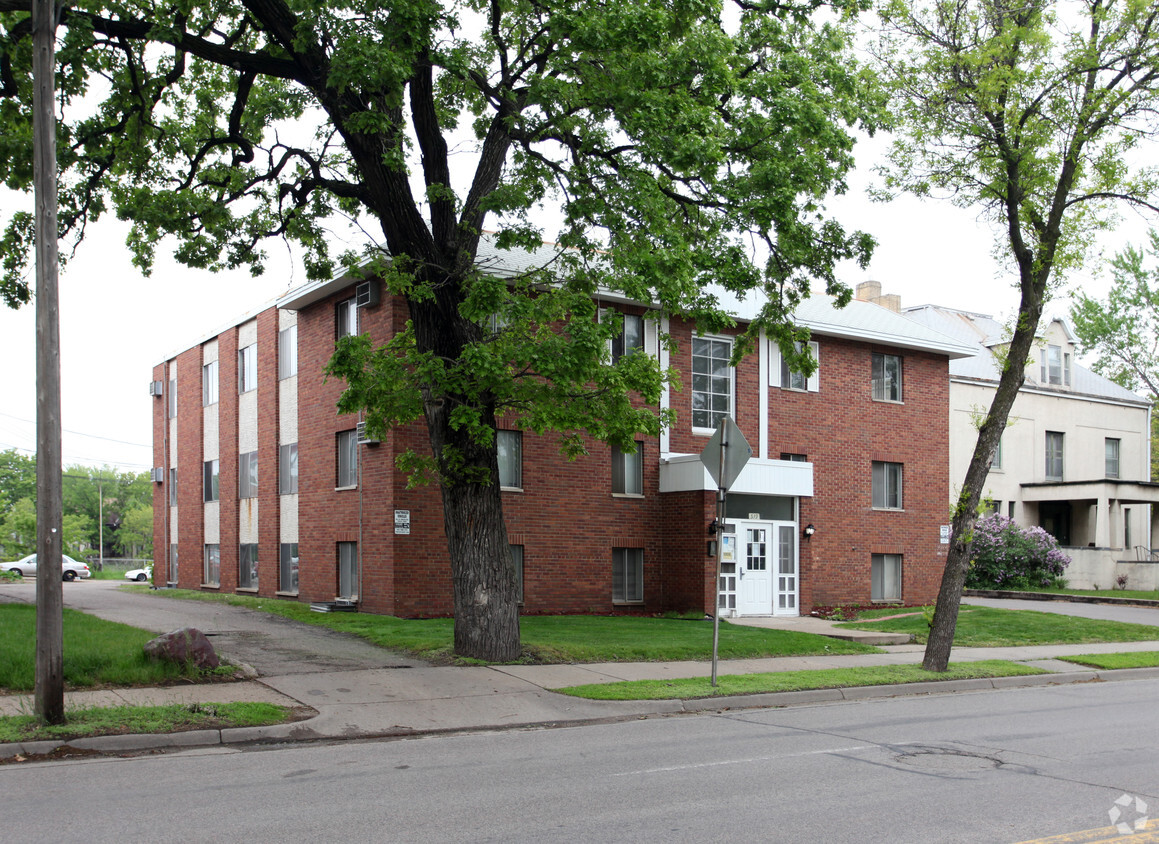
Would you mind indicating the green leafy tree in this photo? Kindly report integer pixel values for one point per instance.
(1122, 331)
(682, 144)
(18, 529)
(17, 478)
(1036, 112)
(78, 531)
(135, 536)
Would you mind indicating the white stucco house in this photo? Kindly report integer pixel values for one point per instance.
(1075, 456)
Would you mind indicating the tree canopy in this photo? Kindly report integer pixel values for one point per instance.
(678, 144)
(1039, 114)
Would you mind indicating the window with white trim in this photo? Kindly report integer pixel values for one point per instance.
(627, 575)
(247, 368)
(887, 485)
(346, 319)
(211, 574)
(788, 379)
(712, 376)
(209, 383)
(631, 337)
(885, 577)
(287, 352)
(1055, 367)
(247, 475)
(247, 566)
(886, 376)
(509, 447)
(628, 470)
(347, 454)
(288, 469)
(1111, 457)
(1054, 456)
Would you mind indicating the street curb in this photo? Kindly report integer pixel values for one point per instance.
(302, 731)
(1053, 596)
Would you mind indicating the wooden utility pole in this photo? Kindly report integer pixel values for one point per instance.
(49, 702)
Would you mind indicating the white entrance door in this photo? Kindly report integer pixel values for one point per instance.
(786, 585)
(755, 569)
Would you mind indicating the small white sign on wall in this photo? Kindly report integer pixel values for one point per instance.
(945, 534)
(402, 521)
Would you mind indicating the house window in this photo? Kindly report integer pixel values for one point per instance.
(886, 486)
(794, 458)
(1112, 457)
(627, 575)
(628, 470)
(347, 570)
(288, 352)
(209, 384)
(711, 381)
(247, 368)
(996, 460)
(1054, 442)
(247, 475)
(247, 566)
(886, 377)
(509, 445)
(288, 567)
(288, 469)
(211, 481)
(1010, 509)
(791, 380)
(630, 338)
(173, 563)
(885, 577)
(212, 572)
(1127, 527)
(1055, 367)
(346, 319)
(517, 562)
(173, 487)
(172, 398)
(347, 459)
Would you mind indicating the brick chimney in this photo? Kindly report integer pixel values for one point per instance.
(870, 291)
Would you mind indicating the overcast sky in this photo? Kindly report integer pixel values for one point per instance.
(116, 323)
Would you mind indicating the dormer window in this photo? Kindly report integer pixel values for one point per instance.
(1056, 367)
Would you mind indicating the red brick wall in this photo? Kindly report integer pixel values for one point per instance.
(269, 505)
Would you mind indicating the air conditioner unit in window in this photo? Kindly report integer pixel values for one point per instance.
(155, 388)
(360, 435)
(368, 294)
(157, 475)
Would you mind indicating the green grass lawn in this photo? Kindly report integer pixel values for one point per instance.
(131, 720)
(1136, 659)
(791, 681)
(991, 627)
(557, 639)
(96, 653)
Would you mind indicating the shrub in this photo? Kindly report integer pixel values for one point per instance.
(1005, 556)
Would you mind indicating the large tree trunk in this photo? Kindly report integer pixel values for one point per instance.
(937, 655)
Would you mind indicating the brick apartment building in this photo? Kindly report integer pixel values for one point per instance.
(263, 487)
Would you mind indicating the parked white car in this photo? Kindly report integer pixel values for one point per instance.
(71, 569)
(140, 575)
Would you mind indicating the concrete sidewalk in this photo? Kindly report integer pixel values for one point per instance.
(402, 701)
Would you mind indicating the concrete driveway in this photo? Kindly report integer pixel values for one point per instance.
(270, 644)
(1103, 612)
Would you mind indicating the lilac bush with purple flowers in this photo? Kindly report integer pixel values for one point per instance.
(1005, 556)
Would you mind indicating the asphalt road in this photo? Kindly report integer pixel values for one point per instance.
(976, 767)
(270, 644)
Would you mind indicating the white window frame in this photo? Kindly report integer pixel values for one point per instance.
(888, 484)
(172, 398)
(209, 387)
(882, 586)
(346, 459)
(288, 567)
(879, 378)
(781, 376)
(247, 566)
(630, 338)
(346, 319)
(628, 471)
(347, 564)
(714, 346)
(287, 352)
(247, 475)
(211, 480)
(1055, 457)
(211, 568)
(247, 368)
(1112, 451)
(509, 452)
(627, 575)
(288, 469)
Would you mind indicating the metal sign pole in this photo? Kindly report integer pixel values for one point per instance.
(720, 494)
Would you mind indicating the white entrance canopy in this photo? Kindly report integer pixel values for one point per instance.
(685, 473)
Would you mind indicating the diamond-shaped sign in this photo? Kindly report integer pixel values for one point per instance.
(727, 442)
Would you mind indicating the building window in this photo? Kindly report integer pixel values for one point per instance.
(794, 458)
(288, 567)
(996, 460)
(509, 445)
(173, 563)
(885, 577)
(211, 481)
(288, 352)
(711, 381)
(1055, 367)
(628, 470)
(247, 566)
(627, 575)
(630, 338)
(886, 377)
(212, 572)
(517, 562)
(1054, 467)
(1127, 527)
(1010, 509)
(791, 380)
(886, 486)
(247, 475)
(209, 383)
(173, 487)
(346, 319)
(288, 469)
(347, 459)
(347, 570)
(247, 368)
(1112, 457)
(172, 398)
